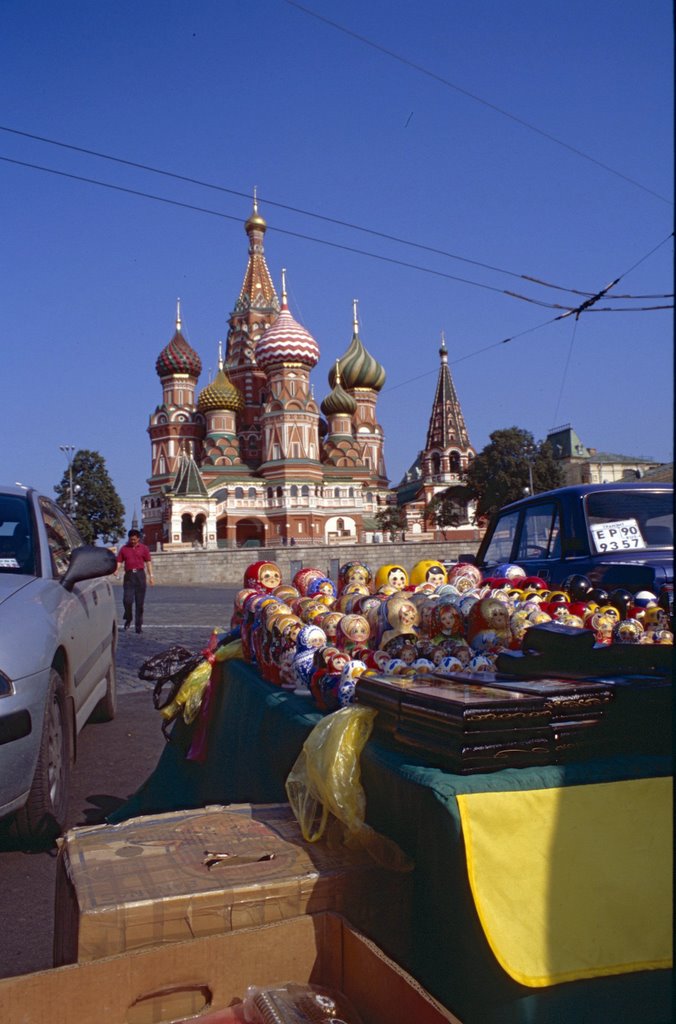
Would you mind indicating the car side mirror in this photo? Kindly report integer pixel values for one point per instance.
(88, 562)
(468, 559)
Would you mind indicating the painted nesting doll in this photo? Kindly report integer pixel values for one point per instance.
(391, 575)
(304, 577)
(351, 632)
(263, 576)
(322, 589)
(488, 625)
(427, 571)
(354, 572)
(310, 638)
(464, 576)
(402, 617)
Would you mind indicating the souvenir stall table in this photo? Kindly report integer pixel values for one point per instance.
(255, 735)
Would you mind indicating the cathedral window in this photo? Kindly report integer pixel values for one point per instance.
(351, 492)
(295, 450)
(162, 465)
(305, 491)
(276, 452)
(294, 491)
(455, 462)
(239, 492)
(251, 493)
(336, 492)
(270, 493)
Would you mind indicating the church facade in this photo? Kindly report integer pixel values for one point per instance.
(252, 459)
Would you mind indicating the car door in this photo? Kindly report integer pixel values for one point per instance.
(83, 614)
(538, 542)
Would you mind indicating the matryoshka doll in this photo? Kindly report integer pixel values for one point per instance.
(350, 595)
(285, 629)
(402, 617)
(329, 623)
(488, 625)
(447, 623)
(323, 590)
(391, 575)
(266, 661)
(354, 572)
(249, 610)
(349, 680)
(286, 592)
(464, 576)
(427, 571)
(304, 577)
(351, 632)
(263, 576)
(329, 662)
(238, 606)
(310, 638)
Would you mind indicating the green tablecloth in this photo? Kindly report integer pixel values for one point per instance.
(256, 733)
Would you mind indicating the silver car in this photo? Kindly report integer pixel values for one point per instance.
(57, 655)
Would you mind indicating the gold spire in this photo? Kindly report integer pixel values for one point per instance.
(355, 316)
(337, 384)
(178, 314)
(220, 355)
(284, 299)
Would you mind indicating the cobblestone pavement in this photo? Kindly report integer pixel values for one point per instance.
(173, 615)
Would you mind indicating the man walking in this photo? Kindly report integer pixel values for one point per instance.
(135, 557)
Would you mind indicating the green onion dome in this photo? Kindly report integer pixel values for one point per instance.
(338, 401)
(358, 368)
(220, 394)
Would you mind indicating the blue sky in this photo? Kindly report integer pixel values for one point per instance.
(239, 94)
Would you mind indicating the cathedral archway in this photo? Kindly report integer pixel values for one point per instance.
(250, 533)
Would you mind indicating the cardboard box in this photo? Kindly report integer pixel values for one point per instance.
(170, 983)
(148, 882)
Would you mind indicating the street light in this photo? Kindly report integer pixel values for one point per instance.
(69, 450)
(529, 453)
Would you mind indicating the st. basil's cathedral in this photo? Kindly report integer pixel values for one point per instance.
(253, 459)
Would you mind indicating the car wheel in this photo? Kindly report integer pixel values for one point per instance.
(106, 709)
(44, 816)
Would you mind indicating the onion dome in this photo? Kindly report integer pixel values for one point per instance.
(178, 356)
(358, 368)
(255, 221)
(338, 401)
(285, 341)
(220, 394)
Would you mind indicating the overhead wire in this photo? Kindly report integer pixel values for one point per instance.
(283, 206)
(473, 96)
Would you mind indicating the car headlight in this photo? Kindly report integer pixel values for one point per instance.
(6, 686)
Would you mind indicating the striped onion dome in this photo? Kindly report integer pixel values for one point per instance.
(338, 401)
(220, 394)
(178, 356)
(358, 368)
(285, 341)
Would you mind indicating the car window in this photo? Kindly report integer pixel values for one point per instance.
(632, 519)
(17, 541)
(62, 536)
(500, 547)
(540, 533)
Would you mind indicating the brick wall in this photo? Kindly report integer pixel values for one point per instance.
(227, 565)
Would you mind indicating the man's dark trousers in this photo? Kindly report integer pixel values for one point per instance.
(134, 590)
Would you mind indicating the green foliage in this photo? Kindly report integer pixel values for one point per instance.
(391, 519)
(502, 471)
(98, 510)
(448, 508)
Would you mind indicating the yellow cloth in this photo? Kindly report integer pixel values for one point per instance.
(573, 882)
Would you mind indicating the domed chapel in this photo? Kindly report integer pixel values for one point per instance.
(253, 459)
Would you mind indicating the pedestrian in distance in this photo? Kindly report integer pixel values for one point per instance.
(134, 557)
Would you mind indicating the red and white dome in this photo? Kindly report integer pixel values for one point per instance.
(285, 341)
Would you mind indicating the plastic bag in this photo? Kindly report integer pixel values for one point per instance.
(326, 779)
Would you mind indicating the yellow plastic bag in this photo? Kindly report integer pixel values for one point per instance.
(189, 698)
(326, 779)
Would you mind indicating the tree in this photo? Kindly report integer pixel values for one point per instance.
(507, 467)
(391, 519)
(448, 508)
(98, 510)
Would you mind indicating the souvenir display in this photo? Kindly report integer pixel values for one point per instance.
(509, 633)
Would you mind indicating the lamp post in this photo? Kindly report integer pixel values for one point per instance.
(529, 452)
(69, 450)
